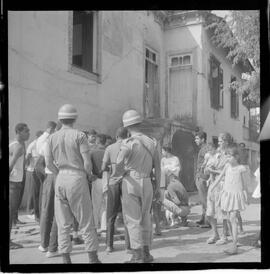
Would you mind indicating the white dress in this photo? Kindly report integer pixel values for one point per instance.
(232, 194)
(257, 191)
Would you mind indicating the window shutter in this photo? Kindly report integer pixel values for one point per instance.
(220, 87)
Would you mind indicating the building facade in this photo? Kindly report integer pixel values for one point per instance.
(161, 63)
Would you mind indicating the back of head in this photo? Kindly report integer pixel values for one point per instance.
(39, 133)
(92, 132)
(121, 133)
(51, 125)
(20, 127)
(101, 139)
(131, 117)
(58, 125)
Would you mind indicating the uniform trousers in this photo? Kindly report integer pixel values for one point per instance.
(99, 200)
(113, 208)
(48, 226)
(137, 201)
(72, 200)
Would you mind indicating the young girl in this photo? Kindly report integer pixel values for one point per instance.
(233, 196)
(257, 195)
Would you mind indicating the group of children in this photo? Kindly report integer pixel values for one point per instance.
(228, 192)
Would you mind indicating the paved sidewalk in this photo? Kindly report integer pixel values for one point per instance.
(178, 245)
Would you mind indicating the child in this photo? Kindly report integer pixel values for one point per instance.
(233, 197)
(209, 162)
(257, 195)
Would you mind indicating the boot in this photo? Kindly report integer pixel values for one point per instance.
(137, 257)
(66, 258)
(147, 257)
(93, 257)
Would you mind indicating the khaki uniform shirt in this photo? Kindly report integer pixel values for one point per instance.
(65, 147)
(134, 155)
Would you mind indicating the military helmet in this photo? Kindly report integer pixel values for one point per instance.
(67, 111)
(131, 117)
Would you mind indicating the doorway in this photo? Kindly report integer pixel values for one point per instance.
(184, 147)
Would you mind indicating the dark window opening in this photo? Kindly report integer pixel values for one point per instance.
(216, 83)
(83, 40)
(234, 101)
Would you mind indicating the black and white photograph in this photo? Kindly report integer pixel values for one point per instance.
(134, 137)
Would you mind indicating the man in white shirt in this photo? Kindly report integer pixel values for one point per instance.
(30, 179)
(40, 171)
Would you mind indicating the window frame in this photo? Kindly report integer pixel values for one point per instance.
(233, 94)
(97, 46)
(182, 55)
(216, 100)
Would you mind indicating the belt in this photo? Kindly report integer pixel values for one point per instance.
(134, 173)
(71, 171)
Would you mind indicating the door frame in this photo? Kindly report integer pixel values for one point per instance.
(157, 63)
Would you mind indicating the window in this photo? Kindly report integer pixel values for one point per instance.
(180, 60)
(84, 44)
(234, 101)
(216, 83)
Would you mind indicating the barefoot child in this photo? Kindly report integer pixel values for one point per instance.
(233, 198)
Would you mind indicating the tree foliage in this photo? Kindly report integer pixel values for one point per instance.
(239, 34)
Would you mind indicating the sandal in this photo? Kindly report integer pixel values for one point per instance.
(13, 245)
(212, 240)
(222, 241)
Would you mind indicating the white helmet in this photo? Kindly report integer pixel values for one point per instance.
(131, 117)
(67, 111)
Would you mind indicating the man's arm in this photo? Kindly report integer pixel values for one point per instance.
(105, 161)
(122, 155)
(157, 171)
(49, 159)
(17, 153)
(87, 163)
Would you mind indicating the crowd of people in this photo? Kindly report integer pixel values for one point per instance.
(85, 183)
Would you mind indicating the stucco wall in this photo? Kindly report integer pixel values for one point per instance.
(40, 81)
(209, 119)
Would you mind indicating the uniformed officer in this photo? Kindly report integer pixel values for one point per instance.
(138, 155)
(69, 148)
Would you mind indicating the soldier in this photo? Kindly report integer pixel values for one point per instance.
(138, 155)
(69, 148)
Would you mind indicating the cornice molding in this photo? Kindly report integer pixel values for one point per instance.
(184, 18)
(160, 16)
